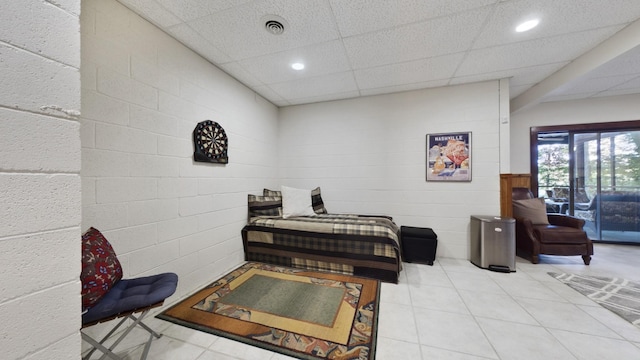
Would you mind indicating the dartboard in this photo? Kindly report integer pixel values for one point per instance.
(210, 142)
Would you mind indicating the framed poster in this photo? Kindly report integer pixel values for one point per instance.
(449, 157)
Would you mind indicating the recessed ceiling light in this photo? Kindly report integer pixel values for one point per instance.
(297, 66)
(527, 25)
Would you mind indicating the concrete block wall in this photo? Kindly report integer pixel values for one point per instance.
(142, 95)
(369, 156)
(40, 184)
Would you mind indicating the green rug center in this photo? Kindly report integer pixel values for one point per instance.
(293, 299)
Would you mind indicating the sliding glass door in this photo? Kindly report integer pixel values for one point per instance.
(591, 171)
(605, 191)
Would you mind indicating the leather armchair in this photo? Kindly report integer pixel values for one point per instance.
(563, 235)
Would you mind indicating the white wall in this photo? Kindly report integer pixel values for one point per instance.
(369, 156)
(604, 109)
(142, 95)
(39, 180)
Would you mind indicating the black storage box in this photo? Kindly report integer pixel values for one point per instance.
(418, 244)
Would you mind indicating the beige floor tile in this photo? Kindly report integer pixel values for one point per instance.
(397, 322)
(523, 342)
(588, 347)
(395, 294)
(239, 350)
(190, 336)
(565, 316)
(432, 353)
(450, 331)
(478, 280)
(496, 306)
(457, 311)
(390, 349)
(437, 298)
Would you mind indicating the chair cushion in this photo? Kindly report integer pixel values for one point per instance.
(551, 234)
(101, 269)
(532, 209)
(131, 294)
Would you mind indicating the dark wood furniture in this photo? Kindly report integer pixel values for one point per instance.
(562, 236)
(507, 183)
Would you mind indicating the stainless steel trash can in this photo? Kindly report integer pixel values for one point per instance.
(493, 243)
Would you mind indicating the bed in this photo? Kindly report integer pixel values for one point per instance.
(360, 245)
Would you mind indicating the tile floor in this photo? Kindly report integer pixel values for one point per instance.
(454, 310)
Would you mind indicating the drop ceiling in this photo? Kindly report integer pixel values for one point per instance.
(351, 48)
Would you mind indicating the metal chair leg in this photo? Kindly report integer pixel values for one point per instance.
(108, 352)
(98, 346)
(101, 347)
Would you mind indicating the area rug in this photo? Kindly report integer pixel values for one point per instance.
(299, 313)
(618, 295)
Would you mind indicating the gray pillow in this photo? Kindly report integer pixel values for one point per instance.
(532, 209)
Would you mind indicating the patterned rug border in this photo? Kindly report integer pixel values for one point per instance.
(607, 290)
(265, 345)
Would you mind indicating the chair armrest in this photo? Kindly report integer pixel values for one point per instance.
(525, 227)
(565, 220)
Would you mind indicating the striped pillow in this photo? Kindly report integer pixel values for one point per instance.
(316, 199)
(264, 205)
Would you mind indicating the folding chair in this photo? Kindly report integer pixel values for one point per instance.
(105, 296)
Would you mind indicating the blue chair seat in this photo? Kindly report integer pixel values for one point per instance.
(129, 295)
(126, 297)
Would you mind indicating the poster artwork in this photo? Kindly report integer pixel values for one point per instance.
(449, 157)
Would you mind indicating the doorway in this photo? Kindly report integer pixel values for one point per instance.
(592, 173)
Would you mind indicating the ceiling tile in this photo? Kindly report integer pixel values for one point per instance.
(392, 46)
(522, 76)
(431, 38)
(197, 43)
(316, 86)
(614, 92)
(418, 71)
(404, 87)
(568, 97)
(240, 74)
(633, 84)
(556, 17)
(589, 84)
(319, 59)
(269, 94)
(239, 32)
(533, 52)
(625, 64)
(190, 9)
(358, 17)
(152, 11)
(328, 97)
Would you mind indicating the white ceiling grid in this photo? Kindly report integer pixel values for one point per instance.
(356, 48)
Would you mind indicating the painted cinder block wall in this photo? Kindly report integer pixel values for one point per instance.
(142, 95)
(39, 179)
(143, 92)
(369, 156)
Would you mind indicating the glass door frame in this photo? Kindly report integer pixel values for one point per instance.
(572, 130)
(633, 125)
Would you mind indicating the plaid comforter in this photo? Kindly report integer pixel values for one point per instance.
(360, 245)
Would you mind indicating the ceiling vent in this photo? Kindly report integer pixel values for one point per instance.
(274, 24)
